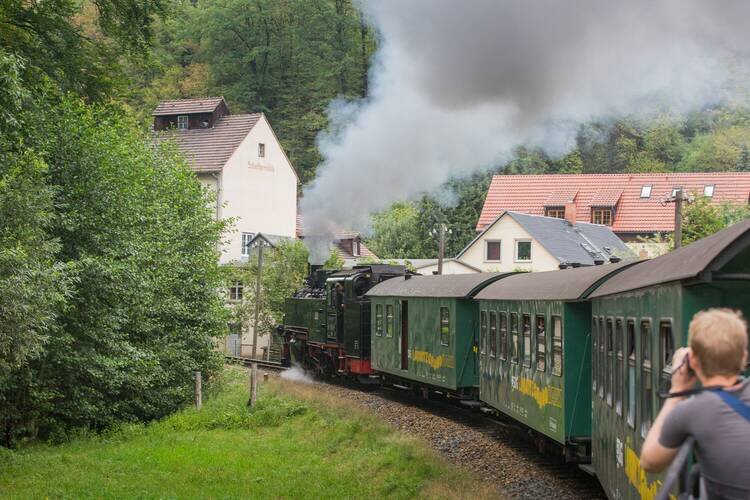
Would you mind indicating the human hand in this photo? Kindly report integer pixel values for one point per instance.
(682, 378)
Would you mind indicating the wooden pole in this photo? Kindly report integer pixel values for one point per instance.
(198, 391)
(678, 219)
(254, 384)
(441, 252)
(254, 371)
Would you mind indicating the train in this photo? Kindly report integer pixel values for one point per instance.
(577, 356)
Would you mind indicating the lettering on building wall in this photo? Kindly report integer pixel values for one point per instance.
(262, 168)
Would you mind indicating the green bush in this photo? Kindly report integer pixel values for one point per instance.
(120, 304)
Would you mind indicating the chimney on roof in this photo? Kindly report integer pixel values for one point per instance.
(570, 213)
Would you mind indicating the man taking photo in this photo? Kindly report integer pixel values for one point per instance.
(716, 416)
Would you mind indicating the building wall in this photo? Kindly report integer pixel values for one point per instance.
(449, 267)
(507, 231)
(260, 193)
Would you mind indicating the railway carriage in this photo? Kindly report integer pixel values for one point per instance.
(424, 331)
(639, 317)
(534, 356)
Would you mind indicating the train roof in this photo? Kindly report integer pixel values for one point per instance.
(441, 286)
(369, 268)
(701, 259)
(566, 284)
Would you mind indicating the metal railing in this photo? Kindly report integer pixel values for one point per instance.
(681, 474)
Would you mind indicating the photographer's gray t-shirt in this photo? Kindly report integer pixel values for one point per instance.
(722, 438)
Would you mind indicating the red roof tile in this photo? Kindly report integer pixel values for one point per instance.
(208, 149)
(606, 198)
(187, 106)
(560, 197)
(633, 214)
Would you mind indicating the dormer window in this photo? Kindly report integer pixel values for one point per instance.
(182, 122)
(355, 248)
(261, 150)
(556, 212)
(646, 191)
(601, 216)
(708, 190)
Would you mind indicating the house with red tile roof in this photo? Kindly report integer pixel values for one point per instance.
(348, 245)
(240, 158)
(632, 205)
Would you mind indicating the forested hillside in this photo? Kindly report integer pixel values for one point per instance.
(290, 59)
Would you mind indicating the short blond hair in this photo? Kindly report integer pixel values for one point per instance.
(718, 337)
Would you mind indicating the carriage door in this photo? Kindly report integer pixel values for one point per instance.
(404, 335)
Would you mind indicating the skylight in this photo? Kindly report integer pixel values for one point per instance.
(708, 190)
(646, 191)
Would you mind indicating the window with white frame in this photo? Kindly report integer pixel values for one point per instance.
(235, 291)
(355, 248)
(246, 239)
(646, 191)
(182, 122)
(708, 190)
(261, 150)
(492, 250)
(523, 250)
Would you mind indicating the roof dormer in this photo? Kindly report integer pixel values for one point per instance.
(187, 114)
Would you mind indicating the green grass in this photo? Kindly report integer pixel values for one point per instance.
(295, 443)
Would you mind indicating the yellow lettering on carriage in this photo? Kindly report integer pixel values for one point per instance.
(435, 362)
(543, 396)
(637, 476)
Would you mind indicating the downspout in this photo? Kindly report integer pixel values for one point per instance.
(219, 189)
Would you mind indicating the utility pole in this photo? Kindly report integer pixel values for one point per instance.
(678, 218)
(441, 251)
(254, 369)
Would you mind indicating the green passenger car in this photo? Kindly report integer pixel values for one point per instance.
(534, 355)
(424, 331)
(639, 318)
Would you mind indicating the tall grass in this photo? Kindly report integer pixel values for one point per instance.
(295, 443)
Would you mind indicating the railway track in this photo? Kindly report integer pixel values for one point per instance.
(499, 450)
(262, 363)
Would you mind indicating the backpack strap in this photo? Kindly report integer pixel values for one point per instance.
(734, 403)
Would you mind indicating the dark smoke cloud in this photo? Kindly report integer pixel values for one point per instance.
(456, 85)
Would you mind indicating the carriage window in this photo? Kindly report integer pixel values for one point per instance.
(514, 337)
(595, 355)
(379, 320)
(445, 325)
(646, 382)
(602, 358)
(630, 382)
(493, 334)
(541, 344)
(666, 350)
(557, 341)
(503, 336)
(526, 340)
(389, 320)
(618, 365)
(482, 331)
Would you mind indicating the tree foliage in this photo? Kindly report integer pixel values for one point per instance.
(284, 272)
(702, 218)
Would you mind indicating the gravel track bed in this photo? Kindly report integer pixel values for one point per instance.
(496, 452)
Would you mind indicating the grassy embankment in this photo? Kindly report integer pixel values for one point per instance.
(295, 443)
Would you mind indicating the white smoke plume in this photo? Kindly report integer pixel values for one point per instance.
(456, 85)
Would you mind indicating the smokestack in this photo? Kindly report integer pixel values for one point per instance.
(570, 213)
